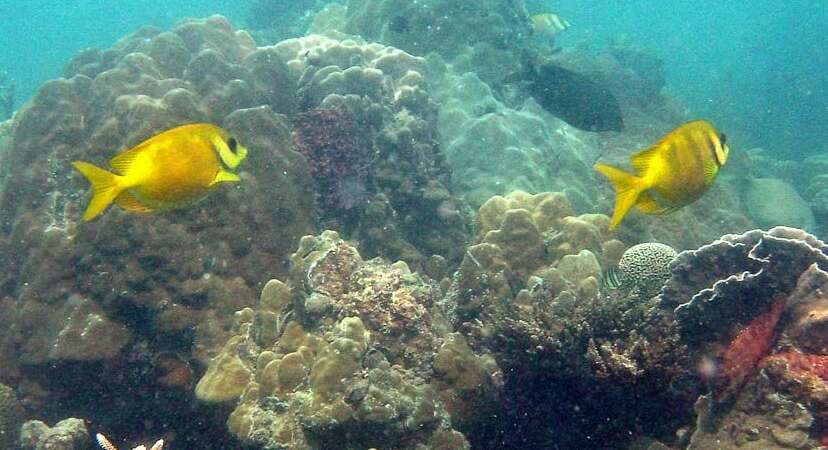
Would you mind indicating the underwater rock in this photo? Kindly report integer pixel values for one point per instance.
(771, 202)
(578, 100)
(68, 434)
(11, 417)
(355, 353)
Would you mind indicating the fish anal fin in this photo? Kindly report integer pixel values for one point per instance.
(224, 176)
(648, 205)
(641, 161)
(124, 160)
(128, 202)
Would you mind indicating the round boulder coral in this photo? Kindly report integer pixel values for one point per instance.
(644, 268)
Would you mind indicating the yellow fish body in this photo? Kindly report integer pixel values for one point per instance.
(548, 24)
(673, 173)
(170, 170)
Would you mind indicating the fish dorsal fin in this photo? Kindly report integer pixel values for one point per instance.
(224, 176)
(124, 160)
(641, 161)
(128, 202)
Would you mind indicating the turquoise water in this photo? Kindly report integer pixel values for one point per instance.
(403, 232)
(757, 67)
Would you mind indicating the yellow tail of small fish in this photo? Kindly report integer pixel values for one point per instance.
(105, 188)
(627, 189)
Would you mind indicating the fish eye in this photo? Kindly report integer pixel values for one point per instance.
(723, 138)
(232, 143)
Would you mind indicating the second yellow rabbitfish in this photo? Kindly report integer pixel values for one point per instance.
(172, 169)
(673, 173)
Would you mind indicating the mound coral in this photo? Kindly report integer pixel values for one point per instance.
(352, 353)
(386, 125)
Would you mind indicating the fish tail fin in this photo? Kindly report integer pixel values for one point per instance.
(628, 187)
(105, 188)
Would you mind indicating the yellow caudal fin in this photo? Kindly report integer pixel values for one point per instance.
(105, 188)
(627, 189)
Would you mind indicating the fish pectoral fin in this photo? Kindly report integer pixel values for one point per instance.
(641, 161)
(710, 171)
(124, 160)
(128, 202)
(224, 176)
(648, 205)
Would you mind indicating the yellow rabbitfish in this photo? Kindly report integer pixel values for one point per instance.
(548, 24)
(172, 169)
(673, 173)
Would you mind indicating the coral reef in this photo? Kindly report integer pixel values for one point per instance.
(172, 280)
(494, 149)
(370, 120)
(740, 277)
(352, 353)
(11, 417)
(751, 309)
(68, 434)
(528, 293)
(778, 392)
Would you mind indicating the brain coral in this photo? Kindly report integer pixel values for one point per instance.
(643, 268)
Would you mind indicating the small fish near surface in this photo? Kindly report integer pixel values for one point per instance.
(674, 172)
(548, 25)
(173, 169)
(574, 98)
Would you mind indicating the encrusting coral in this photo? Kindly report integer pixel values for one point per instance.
(351, 353)
(751, 309)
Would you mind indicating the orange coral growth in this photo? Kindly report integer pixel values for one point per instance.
(739, 359)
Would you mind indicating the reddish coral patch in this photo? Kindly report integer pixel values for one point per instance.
(739, 359)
